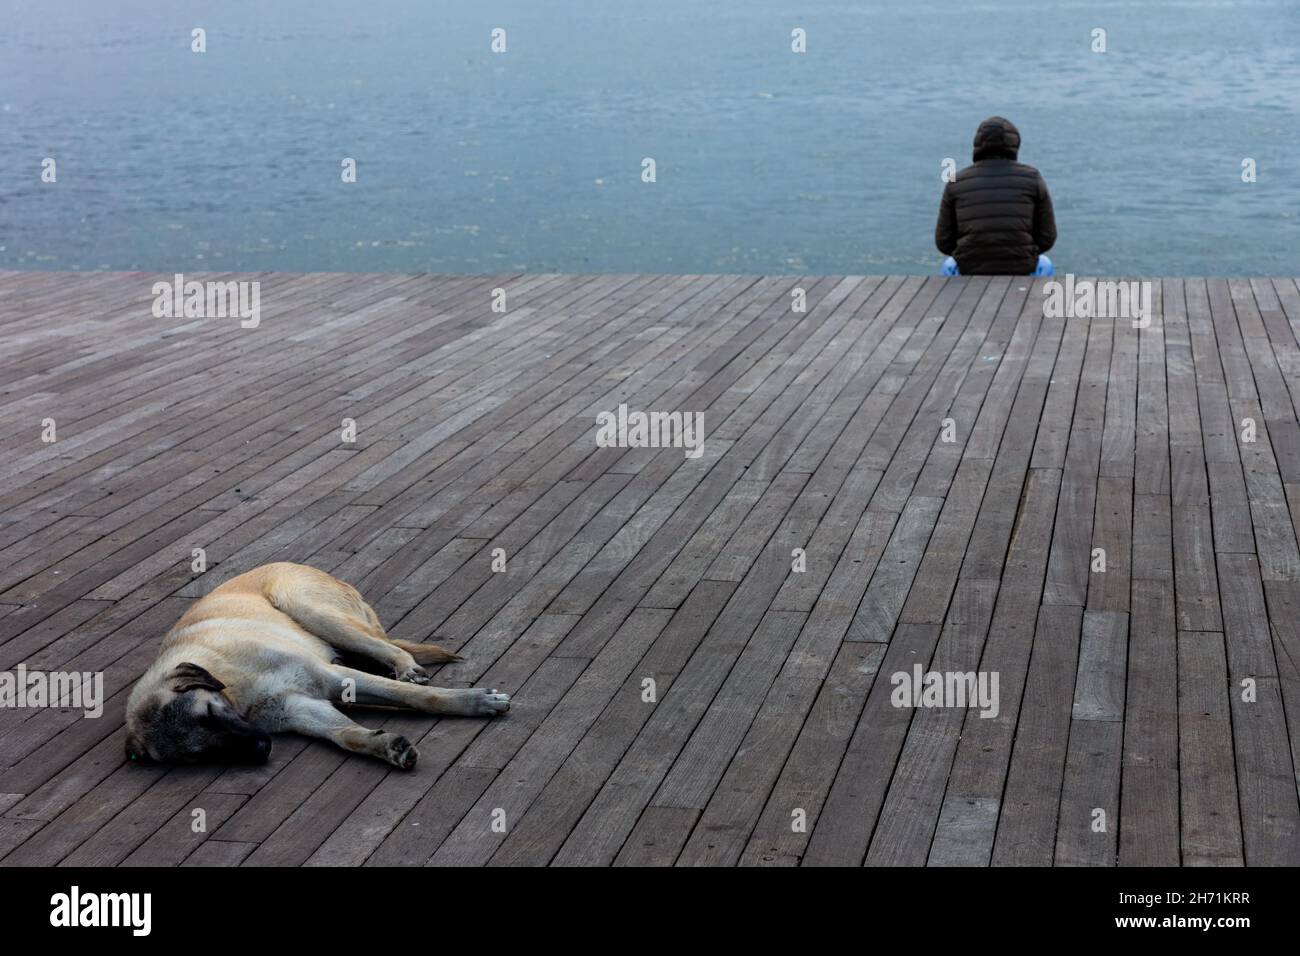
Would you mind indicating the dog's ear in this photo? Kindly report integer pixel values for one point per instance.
(187, 676)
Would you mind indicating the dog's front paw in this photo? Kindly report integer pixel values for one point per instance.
(401, 753)
(415, 674)
(492, 702)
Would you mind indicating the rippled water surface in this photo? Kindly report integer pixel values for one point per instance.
(767, 161)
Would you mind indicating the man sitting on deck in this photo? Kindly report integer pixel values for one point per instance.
(996, 215)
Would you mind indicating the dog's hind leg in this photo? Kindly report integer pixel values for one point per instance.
(358, 687)
(320, 718)
(423, 653)
(315, 612)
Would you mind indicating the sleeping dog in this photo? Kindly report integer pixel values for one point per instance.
(262, 653)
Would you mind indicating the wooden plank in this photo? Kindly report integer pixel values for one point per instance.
(1100, 673)
(219, 853)
(1149, 798)
(1026, 834)
(1089, 822)
(1266, 779)
(1211, 823)
(883, 601)
(913, 803)
(1071, 558)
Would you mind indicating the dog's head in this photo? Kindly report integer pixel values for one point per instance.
(181, 716)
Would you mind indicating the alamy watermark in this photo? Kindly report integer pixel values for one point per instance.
(208, 300)
(21, 688)
(625, 429)
(946, 689)
(75, 909)
(1088, 298)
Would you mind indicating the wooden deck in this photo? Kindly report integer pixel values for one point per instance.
(1121, 692)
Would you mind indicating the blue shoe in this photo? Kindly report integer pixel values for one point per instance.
(1044, 268)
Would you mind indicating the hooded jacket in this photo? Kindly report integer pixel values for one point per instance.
(996, 215)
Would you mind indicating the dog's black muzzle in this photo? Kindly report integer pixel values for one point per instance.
(240, 742)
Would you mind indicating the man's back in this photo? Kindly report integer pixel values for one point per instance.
(996, 216)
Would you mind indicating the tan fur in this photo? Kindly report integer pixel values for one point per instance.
(427, 653)
(271, 636)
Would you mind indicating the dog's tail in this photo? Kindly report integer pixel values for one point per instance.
(427, 653)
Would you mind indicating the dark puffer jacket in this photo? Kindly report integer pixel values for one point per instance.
(996, 216)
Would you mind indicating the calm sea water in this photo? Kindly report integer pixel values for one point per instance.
(767, 161)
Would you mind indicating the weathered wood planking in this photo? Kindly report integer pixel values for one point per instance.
(939, 459)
